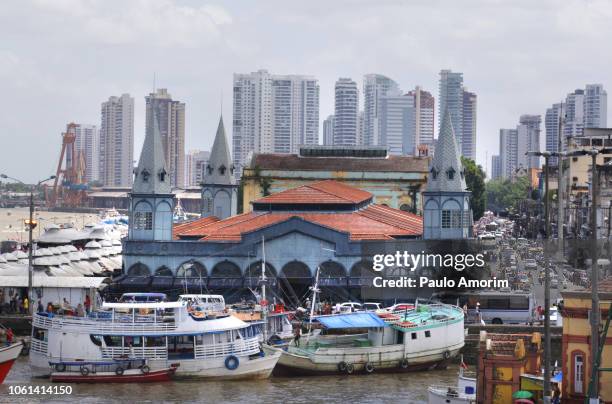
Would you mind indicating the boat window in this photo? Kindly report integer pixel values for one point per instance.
(96, 339)
(155, 341)
(39, 334)
(427, 334)
(112, 340)
(414, 335)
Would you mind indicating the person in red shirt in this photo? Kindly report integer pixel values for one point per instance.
(87, 304)
(9, 336)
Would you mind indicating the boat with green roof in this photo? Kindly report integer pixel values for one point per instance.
(423, 338)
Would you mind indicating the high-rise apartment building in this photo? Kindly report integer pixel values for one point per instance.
(514, 145)
(375, 86)
(461, 105)
(273, 114)
(117, 142)
(328, 131)
(551, 125)
(397, 124)
(360, 128)
(573, 124)
(468, 126)
(170, 116)
(595, 106)
(424, 105)
(495, 167)
(87, 143)
(346, 113)
(195, 164)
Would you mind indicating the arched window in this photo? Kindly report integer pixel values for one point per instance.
(226, 269)
(163, 271)
(450, 173)
(191, 269)
(139, 269)
(163, 221)
(434, 173)
(143, 216)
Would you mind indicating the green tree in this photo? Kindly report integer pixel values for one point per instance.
(475, 181)
(503, 194)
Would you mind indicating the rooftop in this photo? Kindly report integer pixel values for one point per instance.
(322, 192)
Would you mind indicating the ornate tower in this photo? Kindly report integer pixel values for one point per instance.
(446, 202)
(151, 200)
(219, 189)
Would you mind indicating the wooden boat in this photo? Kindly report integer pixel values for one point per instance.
(8, 355)
(109, 372)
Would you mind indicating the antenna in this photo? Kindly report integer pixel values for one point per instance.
(221, 103)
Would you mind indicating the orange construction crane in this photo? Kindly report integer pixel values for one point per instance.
(70, 186)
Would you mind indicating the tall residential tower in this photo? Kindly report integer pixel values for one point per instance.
(117, 141)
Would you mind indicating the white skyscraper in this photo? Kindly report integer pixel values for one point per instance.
(397, 124)
(195, 164)
(328, 131)
(461, 105)
(87, 143)
(375, 86)
(574, 114)
(529, 135)
(595, 106)
(495, 167)
(346, 114)
(514, 145)
(508, 149)
(117, 142)
(424, 104)
(551, 125)
(273, 114)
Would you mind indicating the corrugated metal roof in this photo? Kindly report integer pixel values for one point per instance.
(52, 282)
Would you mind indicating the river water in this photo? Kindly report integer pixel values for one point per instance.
(373, 388)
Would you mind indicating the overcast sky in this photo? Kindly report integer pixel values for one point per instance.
(59, 59)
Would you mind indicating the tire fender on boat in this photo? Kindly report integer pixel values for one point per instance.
(232, 362)
(60, 367)
(350, 368)
(403, 363)
(446, 354)
(145, 369)
(368, 367)
(84, 370)
(342, 367)
(119, 371)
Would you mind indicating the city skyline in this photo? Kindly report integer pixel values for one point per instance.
(195, 56)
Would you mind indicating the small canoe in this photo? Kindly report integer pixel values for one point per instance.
(126, 376)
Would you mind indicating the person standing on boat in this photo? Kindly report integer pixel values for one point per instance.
(9, 336)
(297, 335)
(87, 304)
(40, 307)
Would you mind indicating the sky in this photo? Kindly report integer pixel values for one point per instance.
(60, 59)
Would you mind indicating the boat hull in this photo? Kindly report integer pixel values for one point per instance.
(135, 376)
(439, 397)
(291, 364)
(209, 368)
(8, 355)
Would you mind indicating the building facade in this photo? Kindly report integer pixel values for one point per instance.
(395, 181)
(170, 115)
(468, 126)
(328, 131)
(595, 106)
(195, 164)
(273, 113)
(346, 112)
(424, 104)
(87, 142)
(375, 87)
(117, 141)
(397, 125)
(496, 167)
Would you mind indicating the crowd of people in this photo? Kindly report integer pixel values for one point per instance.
(20, 304)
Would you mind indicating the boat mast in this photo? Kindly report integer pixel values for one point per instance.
(315, 290)
(264, 303)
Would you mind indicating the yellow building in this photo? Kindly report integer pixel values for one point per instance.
(576, 345)
(395, 181)
(579, 174)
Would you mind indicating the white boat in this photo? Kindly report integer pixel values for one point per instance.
(424, 338)
(205, 345)
(463, 393)
(8, 355)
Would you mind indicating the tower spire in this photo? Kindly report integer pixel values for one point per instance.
(151, 175)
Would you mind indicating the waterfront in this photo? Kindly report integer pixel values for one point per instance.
(12, 225)
(374, 388)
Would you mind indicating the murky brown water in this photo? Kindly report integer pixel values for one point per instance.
(374, 388)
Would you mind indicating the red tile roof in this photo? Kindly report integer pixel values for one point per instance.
(373, 223)
(192, 228)
(322, 192)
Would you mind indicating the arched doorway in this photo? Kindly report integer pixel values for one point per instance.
(225, 275)
(252, 275)
(333, 282)
(361, 276)
(191, 277)
(294, 283)
(162, 279)
(138, 277)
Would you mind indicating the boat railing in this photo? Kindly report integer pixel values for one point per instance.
(243, 347)
(38, 346)
(84, 324)
(454, 314)
(134, 352)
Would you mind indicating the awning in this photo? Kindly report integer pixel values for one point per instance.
(351, 320)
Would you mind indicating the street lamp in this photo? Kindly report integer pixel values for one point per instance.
(31, 225)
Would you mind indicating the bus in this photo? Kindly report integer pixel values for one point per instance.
(493, 306)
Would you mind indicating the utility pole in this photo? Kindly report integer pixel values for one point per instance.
(594, 390)
(561, 188)
(547, 389)
(30, 252)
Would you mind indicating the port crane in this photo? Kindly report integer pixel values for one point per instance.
(70, 186)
